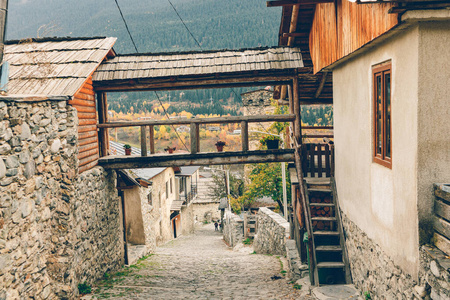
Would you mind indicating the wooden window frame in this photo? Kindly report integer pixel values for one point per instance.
(381, 158)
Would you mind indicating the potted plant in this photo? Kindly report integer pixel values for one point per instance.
(127, 148)
(220, 145)
(270, 141)
(170, 149)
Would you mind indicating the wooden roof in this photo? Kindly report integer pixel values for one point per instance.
(53, 66)
(185, 70)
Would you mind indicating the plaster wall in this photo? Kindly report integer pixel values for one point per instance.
(133, 214)
(433, 155)
(380, 201)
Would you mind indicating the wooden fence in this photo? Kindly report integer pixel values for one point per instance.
(317, 159)
(441, 237)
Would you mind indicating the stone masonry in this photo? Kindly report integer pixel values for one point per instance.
(273, 232)
(372, 270)
(57, 227)
(233, 229)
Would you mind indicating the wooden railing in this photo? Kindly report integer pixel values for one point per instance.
(147, 128)
(318, 159)
(441, 222)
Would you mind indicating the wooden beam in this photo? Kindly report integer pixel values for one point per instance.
(276, 3)
(219, 120)
(296, 34)
(198, 159)
(194, 138)
(296, 104)
(321, 85)
(152, 139)
(293, 25)
(143, 141)
(244, 135)
(102, 118)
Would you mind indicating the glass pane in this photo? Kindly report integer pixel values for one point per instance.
(379, 109)
(387, 89)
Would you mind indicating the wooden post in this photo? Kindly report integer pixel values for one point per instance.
(143, 141)
(296, 103)
(291, 100)
(152, 139)
(102, 118)
(194, 138)
(244, 135)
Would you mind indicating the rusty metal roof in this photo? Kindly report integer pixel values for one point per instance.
(55, 66)
(136, 66)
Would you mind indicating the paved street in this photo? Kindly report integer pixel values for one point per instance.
(200, 266)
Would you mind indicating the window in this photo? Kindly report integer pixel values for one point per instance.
(382, 115)
(171, 189)
(167, 190)
(149, 198)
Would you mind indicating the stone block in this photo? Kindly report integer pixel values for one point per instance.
(12, 161)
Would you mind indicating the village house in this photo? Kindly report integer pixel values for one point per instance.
(389, 63)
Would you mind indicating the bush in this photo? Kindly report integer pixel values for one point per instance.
(84, 288)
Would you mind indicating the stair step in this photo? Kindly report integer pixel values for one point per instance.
(329, 248)
(321, 204)
(330, 264)
(331, 219)
(324, 233)
(319, 190)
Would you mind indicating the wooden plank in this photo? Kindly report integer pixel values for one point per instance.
(218, 120)
(198, 159)
(244, 135)
(442, 243)
(276, 3)
(88, 153)
(83, 115)
(152, 139)
(81, 102)
(143, 141)
(84, 122)
(441, 226)
(319, 160)
(87, 160)
(88, 147)
(87, 134)
(85, 97)
(304, 156)
(85, 109)
(87, 166)
(194, 138)
(87, 141)
(312, 166)
(87, 128)
(327, 160)
(442, 209)
(296, 102)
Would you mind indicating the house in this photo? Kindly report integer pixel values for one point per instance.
(389, 62)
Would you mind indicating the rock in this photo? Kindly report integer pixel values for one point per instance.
(27, 208)
(44, 122)
(2, 169)
(5, 148)
(6, 181)
(36, 152)
(420, 290)
(24, 157)
(26, 132)
(55, 146)
(12, 172)
(12, 161)
(434, 268)
(30, 169)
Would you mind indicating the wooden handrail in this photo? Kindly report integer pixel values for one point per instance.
(220, 120)
(317, 127)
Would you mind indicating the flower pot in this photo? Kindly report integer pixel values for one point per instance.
(272, 144)
(170, 150)
(127, 151)
(219, 148)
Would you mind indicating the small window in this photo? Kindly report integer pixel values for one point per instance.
(149, 198)
(382, 135)
(167, 189)
(171, 189)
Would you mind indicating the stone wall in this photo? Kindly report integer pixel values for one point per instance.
(372, 270)
(434, 274)
(206, 211)
(57, 228)
(272, 234)
(187, 219)
(233, 229)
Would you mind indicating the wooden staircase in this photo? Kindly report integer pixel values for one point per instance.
(330, 264)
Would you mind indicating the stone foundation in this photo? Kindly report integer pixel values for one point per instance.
(372, 270)
(57, 228)
(272, 233)
(233, 229)
(434, 274)
(206, 211)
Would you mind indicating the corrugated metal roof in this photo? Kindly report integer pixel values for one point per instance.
(135, 66)
(53, 66)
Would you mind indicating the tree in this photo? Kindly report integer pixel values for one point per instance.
(219, 188)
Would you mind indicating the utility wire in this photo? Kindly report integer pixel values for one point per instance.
(185, 26)
(134, 44)
(126, 26)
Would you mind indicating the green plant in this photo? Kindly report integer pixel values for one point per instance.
(367, 296)
(84, 288)
(247, 241)
(220, 144)
(127, 146)
(297, 286)
(264, 140)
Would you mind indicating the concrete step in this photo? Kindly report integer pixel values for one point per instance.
(338, 291)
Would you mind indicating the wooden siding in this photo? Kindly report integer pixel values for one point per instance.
(84, 102)
(342, 27)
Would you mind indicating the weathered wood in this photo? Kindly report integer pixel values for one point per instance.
(87, 141)
(87, 153)
(296, 103)
(442, 243)
(438, 192)
(442, 209)
(312, 166)
(143, 141)
(442, 226)
(244, 135)
(321, 85)
(194, 138)
(293, 24)
(219, 120)
(102, 116)
(199, 159)
(88, 147)
(87, 166)
(317, 127)
(327, 161)
(87, 134)
(276, 3)
(319, 160)
(152, 139)
(89, 159)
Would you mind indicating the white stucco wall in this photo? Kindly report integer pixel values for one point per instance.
(381, 201)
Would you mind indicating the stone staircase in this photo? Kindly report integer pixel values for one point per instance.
(205, 182)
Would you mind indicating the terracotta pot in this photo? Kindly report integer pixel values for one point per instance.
(170, 150)
(219, 148)
(272, 144)
(127, 151)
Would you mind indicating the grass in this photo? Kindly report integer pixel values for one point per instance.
(297, 286)
(367, 296)
(247, 241)
(84, 288)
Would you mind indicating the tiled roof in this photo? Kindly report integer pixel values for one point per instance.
(135, 66)
(57, 66)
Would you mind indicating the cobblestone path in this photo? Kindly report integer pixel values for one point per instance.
(200, 266)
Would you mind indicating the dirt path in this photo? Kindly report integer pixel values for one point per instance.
(200, 266)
